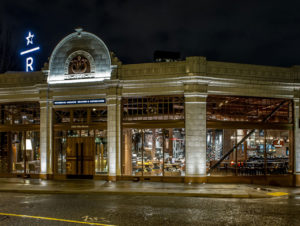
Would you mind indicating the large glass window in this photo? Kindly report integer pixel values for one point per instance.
(20, 152)
(153, 108)
(98, 115)
(278, 151)
(60, 144)
(174, 156)
(263, 152)
(25, 152)
(244, 141)
(101, 158)
(20, 113)
(19, 141)
(248, 109)
(153, 152)
(80, 116)
(4, 152)
(62, 116)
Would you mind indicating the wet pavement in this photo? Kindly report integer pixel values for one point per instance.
(103, 209)
(39, 186)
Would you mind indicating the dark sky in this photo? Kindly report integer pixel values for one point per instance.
(255, 32)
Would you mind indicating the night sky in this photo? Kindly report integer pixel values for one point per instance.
(254, 32)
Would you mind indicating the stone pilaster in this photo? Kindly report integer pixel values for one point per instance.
(46, 137)
(195, 129)
(118, 135)
(114, 133)
(296, 141)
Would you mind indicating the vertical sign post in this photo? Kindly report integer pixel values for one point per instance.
(29, 59)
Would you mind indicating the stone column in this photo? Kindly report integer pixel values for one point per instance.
(114, 134)
(118, 136)
(46, 138)
(296, 141)
(195, 130)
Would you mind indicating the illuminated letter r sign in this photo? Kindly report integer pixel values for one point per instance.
(29, 59)
(29, 62)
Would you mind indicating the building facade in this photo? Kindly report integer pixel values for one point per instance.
(87, 115)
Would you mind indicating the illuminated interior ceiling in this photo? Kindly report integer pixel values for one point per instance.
(20, 113)
(247, 109)
(153, 108)
(90, 48)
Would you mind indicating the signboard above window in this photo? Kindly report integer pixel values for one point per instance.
(70, 102)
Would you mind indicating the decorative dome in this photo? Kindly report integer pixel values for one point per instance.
(79, 57)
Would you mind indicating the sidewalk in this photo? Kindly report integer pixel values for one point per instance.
(39, 186)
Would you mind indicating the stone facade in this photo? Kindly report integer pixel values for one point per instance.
(194, 77)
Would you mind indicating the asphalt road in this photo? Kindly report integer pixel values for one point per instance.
(145, 210)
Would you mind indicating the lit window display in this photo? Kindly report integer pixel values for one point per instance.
(263, 152)
(25, 152)
(174, 156)
(101, 166)
(214, 144)
(152, 143)
(154, 152)
(249, 151)
(20, 152)
(278, 151)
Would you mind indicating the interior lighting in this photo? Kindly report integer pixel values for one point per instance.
(28, 144)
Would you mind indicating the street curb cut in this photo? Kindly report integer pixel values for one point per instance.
(203, 195)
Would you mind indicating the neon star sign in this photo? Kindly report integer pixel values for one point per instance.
(29, 59)
(29, 38)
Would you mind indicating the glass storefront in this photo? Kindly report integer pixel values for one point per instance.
(249, 135)
(26, 152)
(20, 152)
(159, 149)
(154, 152)
(20, 138)
(264, 152)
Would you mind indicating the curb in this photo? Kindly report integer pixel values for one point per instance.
(203, 195)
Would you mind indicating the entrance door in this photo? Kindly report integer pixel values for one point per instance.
(80, 157)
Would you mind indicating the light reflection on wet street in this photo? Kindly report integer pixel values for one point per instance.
(147, 210)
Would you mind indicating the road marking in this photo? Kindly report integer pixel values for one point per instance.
(278, 193)
(92, 219)
(53, 219)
